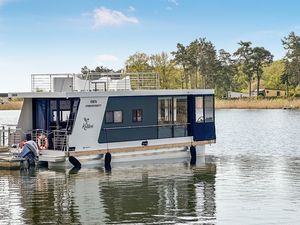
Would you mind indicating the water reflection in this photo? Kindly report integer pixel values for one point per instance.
(152, 194)
(161, 195)
(47, 198)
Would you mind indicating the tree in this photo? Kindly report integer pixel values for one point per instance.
(181, 58)
(244, 59)
(198, 60)
(138, 62)
(85, 70)
(291, 44)
(225, 73)
(272, 74)
(162, 64)
(193, 58)
(260, 57)
(285, 80)
(102, 69)
(207, 62)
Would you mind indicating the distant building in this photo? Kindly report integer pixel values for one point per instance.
(232, 94)
(267, 92)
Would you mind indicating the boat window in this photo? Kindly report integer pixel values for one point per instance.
(114, 116)
(199, 109)
(53, 107)
(209, 108)
(137, 115)
(165, 110)
(180, 116)
(180, 110)
(64, 104)
(109, 117)
(165, 117)
(64, 116)
(118, 116)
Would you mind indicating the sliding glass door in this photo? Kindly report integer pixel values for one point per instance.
(172, 117)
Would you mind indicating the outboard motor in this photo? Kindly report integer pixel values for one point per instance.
(30, 152)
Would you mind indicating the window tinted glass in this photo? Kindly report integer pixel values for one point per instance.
(109, 117)
(180, 110)
(137, 115)
(209, 108)
(199, 109)
(165, 110)
(118, 116)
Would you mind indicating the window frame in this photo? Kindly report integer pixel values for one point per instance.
(113, 116)
(202, 109)
(121, 116)
(213, 108)
(106, 117)
(134, 115)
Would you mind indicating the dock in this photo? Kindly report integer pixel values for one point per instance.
(3, 149)
(8, 161)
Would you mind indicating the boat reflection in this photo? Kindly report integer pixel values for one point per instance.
(161, 194)
(157, 193)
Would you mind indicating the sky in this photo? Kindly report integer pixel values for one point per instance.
(61, 36)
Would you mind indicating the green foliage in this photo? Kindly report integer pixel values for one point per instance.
(102, 69)
(199, 65)
(138, 62)
(291, 75)
(260, 58)
(224, 77)
(162, 64)
(198, 61)
(244, 59)
(272, 75)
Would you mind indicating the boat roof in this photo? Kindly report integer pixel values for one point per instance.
(119, 93)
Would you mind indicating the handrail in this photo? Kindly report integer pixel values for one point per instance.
(13, 136)
(147, 126)
(89, 81)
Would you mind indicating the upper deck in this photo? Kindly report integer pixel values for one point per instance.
(100, 84)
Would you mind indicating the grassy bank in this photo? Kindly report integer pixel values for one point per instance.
(258, 104)
(12, 105)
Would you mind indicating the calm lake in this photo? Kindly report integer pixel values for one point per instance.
(251, 176)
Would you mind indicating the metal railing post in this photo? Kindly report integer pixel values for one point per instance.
(8, 136)
(3, 135)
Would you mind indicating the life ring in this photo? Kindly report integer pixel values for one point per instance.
(42, 142)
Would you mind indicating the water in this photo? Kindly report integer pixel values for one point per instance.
(251, 176)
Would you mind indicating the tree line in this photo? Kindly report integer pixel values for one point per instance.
(200, 65)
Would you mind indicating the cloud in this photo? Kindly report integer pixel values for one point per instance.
(173, 2)
(131, 9)
(107, 17)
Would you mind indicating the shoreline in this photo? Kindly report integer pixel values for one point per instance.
(274, 103)
(13, 105)
(220, 104)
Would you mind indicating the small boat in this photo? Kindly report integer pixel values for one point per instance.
(77, 119)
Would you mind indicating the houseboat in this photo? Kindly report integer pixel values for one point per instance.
(76, 119)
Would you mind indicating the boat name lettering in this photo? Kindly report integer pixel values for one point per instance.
(98, 105)
(93, 103)
(86, 124)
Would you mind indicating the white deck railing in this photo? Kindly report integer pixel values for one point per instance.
(9, 135)
(94, 82)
